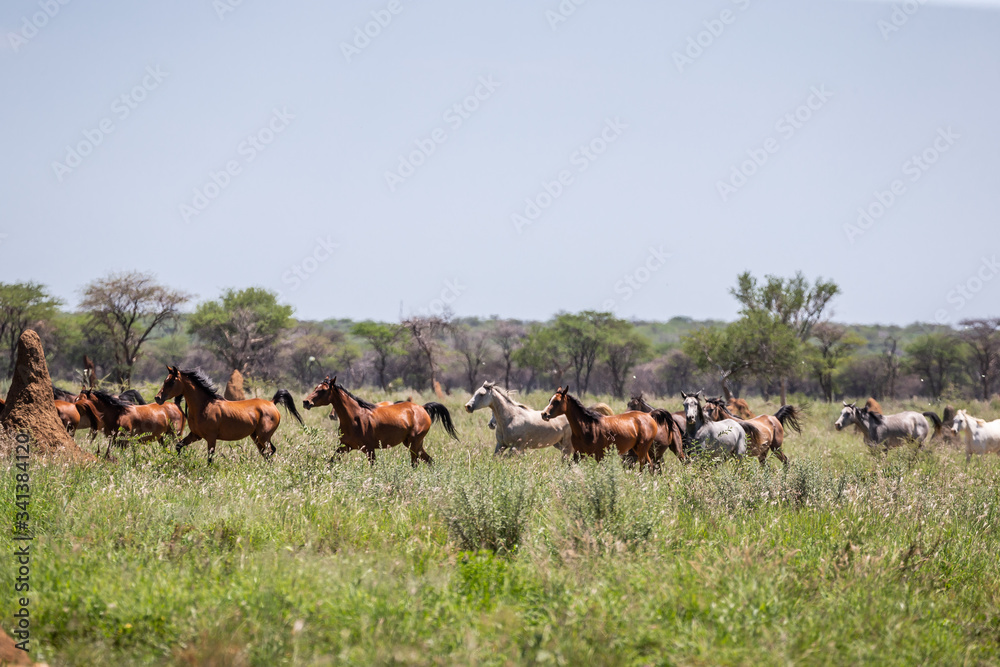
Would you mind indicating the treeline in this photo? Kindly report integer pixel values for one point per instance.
(129, 325)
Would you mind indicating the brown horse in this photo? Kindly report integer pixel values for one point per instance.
(593, 433)
(371, 427)
(639, 403)
(670, 434)
(770, 434)
(214, 418)
(151, 422)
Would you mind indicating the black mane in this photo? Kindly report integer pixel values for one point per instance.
(360, 401)
(109, 400)
(202, 381)
(586, 413)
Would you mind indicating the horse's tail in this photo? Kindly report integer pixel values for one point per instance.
(789, 415)
(282, 397)
(438, 411)
(753, 430)
(937, 423)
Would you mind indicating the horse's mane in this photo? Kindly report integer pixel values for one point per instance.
(360, 401)
(876, 417)
(202, 381)
(721, 405)
(586, 413)
(112, 401)
(504, 394)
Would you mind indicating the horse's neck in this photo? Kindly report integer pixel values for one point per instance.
(346, 408)
(196, 399)
(575, 418)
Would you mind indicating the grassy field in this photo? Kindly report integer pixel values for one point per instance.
(844, 558)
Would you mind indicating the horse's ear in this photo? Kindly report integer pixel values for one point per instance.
(845, 403)
(683, 395)
(333, 381)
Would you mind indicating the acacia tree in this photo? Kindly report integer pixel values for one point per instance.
(938, 358)
(624, 347)
(383, 339)
(22, 305)
(242, 327)
(983, 338)
(125, 309)
(509, 338)
(542, 353)
(834, 344)
(792, 302)
(582, 336)
(474, 346)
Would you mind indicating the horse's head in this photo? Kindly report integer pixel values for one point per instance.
(960, 421)
(172, 386)
(557, 404)
(716, 408)
(846, 417)
(636, 402)
(692, 404)
(482, 398)
(321, 395)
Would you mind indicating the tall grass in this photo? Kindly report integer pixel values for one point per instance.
(843, 558)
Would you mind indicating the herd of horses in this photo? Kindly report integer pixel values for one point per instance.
(715, 427)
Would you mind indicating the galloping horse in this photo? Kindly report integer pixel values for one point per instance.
(214, 418)
(981, 437)
(593, 433)
(772, 428)
(371, 427)
(152, 422)
(887, 430)
(727, 437)
(639, 403)
(519, 427)
(671, 434)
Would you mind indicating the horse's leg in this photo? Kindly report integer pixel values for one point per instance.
(417, 451)
(188, 439)
(211, 449)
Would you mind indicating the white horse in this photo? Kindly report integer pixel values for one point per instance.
(888, 430)
(519, 427)
(981, 437)
(726, 437)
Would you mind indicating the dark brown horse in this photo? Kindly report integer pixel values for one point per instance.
(370, 427)
(214, 418)
(639, 403)
(151, 422)
(593, 433)
(669, 436)
(770, 435)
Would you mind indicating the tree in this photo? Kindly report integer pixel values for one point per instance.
(425, 332)
(308, 350)
(22, 305)
(383, 339)
(582, 336)
(474, 347)
(937, 357)
(624, 347)
(834, 345)
(791, 302)
(509, 338)
(242, 327)
(126, 308)
(983, 338)
(542, 353)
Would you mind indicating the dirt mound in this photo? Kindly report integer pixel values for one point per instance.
(234, 388)
(10, 654)
(30, 407)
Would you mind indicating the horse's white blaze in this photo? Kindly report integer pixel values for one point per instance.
(981, 437)
(519, 427)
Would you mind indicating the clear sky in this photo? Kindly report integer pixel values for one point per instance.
(507, 157)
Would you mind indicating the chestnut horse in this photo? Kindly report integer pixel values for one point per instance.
(214, 418)
(771, 433)
(670, 435)
(152, 422)
(593, 433)
(371, 427)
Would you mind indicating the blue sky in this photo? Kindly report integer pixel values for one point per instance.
(505, 158)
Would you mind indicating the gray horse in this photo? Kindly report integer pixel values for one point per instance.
(726, 437)
(888, 430)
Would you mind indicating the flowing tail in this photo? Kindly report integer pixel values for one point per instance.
(438, 411)
(789, 415)
(937, 423)
(282, 397)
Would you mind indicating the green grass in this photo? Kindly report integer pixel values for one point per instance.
(844, 559)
